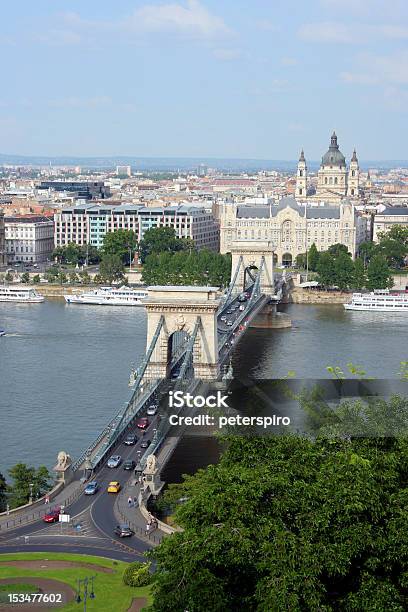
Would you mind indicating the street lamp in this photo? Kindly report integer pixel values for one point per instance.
(31, 485)
(87, 585)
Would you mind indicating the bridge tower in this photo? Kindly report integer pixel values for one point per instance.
(249, 254)
(191, 310)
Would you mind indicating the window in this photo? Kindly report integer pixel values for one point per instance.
(335, 180)
(325, 180)
(300, 191)
(300, 172)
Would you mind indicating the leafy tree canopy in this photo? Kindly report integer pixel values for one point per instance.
(122, 243)
(162, 240)
(293, 523)
(111, 268)
(187, 268)
(22, 476)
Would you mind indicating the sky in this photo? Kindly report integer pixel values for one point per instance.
(177, 78)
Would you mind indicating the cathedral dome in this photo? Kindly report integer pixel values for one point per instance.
(333, 157)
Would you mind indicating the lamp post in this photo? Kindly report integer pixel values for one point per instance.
(87, 585)
(31, 485)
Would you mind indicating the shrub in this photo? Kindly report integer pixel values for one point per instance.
(137, 574)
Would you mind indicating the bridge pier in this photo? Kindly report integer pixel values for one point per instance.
(181, 309)
(270, 318)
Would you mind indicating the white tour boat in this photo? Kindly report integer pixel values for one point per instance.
(379, 301)
(109, 296)
(8, 293)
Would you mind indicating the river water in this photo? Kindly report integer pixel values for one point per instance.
(64, 369)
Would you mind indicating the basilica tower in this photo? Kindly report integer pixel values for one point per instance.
(301, 178)
(353, 177)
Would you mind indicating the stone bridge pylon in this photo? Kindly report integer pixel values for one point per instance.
(249, 254)
(182, 311)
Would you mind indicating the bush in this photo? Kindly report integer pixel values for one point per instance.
(36, 278)
(137, 574)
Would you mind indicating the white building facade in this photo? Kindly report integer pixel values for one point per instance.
(292, 228)
(29, 238)
(389, 218)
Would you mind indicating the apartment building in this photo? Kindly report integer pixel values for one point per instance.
(192, 222)
(29, 238)
(388, 218)
(87, 223)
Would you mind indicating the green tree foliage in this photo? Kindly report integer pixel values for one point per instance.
(73, 277)
(76, 254)
(343, 270)
(366, 251)
(313, 258)
(326, 273)
(162, 240)
(398, 233)
(359, 277)
(294, 523)
(300, 260)
(36, 278)
(137, 574)
(187, 268)
(22, 476)
(378, 274)
(25, 277)
(122, 243)
(3, 493)
(9, 277)
(337, 249)
(111, 268)
(393, 251)
(84, 277)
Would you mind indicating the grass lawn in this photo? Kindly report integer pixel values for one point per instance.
(111, 594)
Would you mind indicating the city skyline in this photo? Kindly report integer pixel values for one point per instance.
(194, 79)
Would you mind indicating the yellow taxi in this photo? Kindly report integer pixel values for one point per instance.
(114, 487)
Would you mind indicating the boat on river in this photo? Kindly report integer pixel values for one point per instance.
(8, 293)
(109, 296)
(379, 301)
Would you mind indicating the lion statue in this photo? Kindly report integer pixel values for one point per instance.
(63, 461)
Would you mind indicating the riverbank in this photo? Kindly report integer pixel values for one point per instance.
(297, 295)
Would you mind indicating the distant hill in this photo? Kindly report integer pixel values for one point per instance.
(172, 164)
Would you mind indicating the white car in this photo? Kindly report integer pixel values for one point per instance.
(151, 411)
(114, 461)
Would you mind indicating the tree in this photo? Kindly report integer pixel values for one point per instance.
(393, 251)
(122, 243)
(9, 277)
(359, 276)
(366, 251)
(187, 268)
(343, 270)
(25, 277)
(300, 260)
(378, 274)
(62, 278)
(338, 248)
(22, 476)
(73, 277)
(326, 270)
(111, 268)
(84, 277)
(313, 258)
(399, 233)
(3, 493)
(161, 240)
(36, 278)
(291, 523)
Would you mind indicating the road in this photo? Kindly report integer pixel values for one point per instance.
(92, 519)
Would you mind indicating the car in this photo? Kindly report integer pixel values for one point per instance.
(114, 487)
(130, 439)
(229, 323)
(145, 444)
(224, 319)
(52, 516)
(114, 461)
(142, 423)
(123, 531)
(229, 311)
(129, 464)
(152, 410)
(91, 488)
(242, 307)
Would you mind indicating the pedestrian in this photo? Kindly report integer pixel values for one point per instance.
(147, 529)
(47, 499)
(130, 501)
(135, 501)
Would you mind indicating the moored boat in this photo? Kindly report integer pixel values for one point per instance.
(10, 293)
(109, 296)
(379, 301)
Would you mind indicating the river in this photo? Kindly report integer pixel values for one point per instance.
(64, 369)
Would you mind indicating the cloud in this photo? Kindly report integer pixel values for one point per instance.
(190, 19)
(335, 32)
(227, 55)
(267, 26)
(379, 69)
(77, 102)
